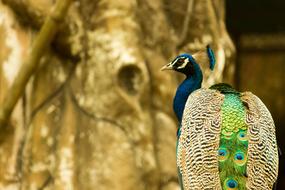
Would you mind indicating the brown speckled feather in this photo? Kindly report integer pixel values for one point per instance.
(262, 164)
(198, 144)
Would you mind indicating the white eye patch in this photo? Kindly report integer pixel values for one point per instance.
(183, 64)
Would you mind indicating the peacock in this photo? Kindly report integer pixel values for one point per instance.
(226, 139)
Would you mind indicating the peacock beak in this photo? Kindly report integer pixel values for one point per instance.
(167, 67)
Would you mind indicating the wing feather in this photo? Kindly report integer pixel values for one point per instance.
(262, 164)
(199, 141)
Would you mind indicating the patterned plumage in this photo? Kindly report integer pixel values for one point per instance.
(226, 139)
(233, 140)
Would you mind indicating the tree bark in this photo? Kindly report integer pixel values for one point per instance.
(97, 113)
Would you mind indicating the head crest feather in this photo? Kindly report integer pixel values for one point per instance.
(205, 57)
(211, 56)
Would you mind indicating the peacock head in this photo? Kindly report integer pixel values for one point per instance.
(188, 64)
(183, 63)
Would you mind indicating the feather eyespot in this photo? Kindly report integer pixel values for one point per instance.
(231, 184)
(240, 158)
(223, 154)
(242, 136)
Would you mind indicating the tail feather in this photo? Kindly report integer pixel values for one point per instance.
(233, 144)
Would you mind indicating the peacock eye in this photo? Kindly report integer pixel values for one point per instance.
(180, 61)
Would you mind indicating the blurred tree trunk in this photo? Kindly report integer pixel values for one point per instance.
(97, 114)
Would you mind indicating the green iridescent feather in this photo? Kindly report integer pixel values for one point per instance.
(233, 140)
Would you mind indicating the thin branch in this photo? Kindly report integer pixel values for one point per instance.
(186, 23)
(42, 41)
(46, 182)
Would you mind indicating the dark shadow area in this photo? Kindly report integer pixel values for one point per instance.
(255, 16)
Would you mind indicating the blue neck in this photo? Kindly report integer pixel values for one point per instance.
(190, 84)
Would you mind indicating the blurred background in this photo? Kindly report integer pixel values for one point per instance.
(97, 112)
